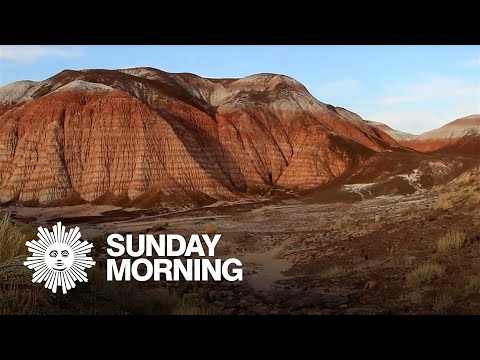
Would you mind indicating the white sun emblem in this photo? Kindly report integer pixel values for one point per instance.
(59, 258)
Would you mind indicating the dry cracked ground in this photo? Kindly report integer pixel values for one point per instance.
(415, 254)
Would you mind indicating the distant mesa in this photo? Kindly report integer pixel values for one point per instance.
(447, 135)
(395, 134)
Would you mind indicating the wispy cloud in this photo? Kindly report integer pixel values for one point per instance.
(473, 62)
(427, 104)
(31, 53)
(434, 88)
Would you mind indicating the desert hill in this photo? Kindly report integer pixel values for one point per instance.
(144, 137)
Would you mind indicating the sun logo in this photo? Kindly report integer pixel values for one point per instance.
(59, 258)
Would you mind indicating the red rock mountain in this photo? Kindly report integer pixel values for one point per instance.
(144, 137)
(447, 135)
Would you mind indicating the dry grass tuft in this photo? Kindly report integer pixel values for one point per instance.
(323, 225)
(476, 217)
(20, 300)
(188, 307)
(424, 274)
(334, 273)
(453, 239)
(400, 260)
(409, 212)
(137, 298)
(13, 238)
(443, 301)
(461, 192)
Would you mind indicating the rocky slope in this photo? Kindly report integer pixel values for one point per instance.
(447, 135)
(144, 137)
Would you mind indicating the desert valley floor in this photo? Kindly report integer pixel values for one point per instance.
(304, 257)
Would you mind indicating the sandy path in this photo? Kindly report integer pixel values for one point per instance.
(268, 269)
(47, 213)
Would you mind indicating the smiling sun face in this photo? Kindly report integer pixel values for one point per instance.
(59, 257)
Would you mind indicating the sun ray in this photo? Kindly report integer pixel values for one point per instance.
(39, 275)
(75, 237)
(66, 240)
(75, 276)
(38, 246)
(44, 236)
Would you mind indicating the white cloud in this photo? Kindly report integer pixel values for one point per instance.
(31, 53)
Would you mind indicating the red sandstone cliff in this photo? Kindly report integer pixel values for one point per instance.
(144, 137)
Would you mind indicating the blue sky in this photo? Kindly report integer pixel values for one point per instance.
(411, 88)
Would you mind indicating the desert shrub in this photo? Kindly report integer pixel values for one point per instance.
(443, 301)
(424, 274)
(453, 239)
(333, 273)
(264, 208)
(280, 254)
(100, 238)
(131, 297)
(400, 260)
(323, 225)
(190, 307)
(18, 296)
(473, 284)
(471, 195)
(409, 212)
(444, 202)
(29, 232)
(209, 229)
(21, 300)
(13, 238)
(160, 224)
(98, 296)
